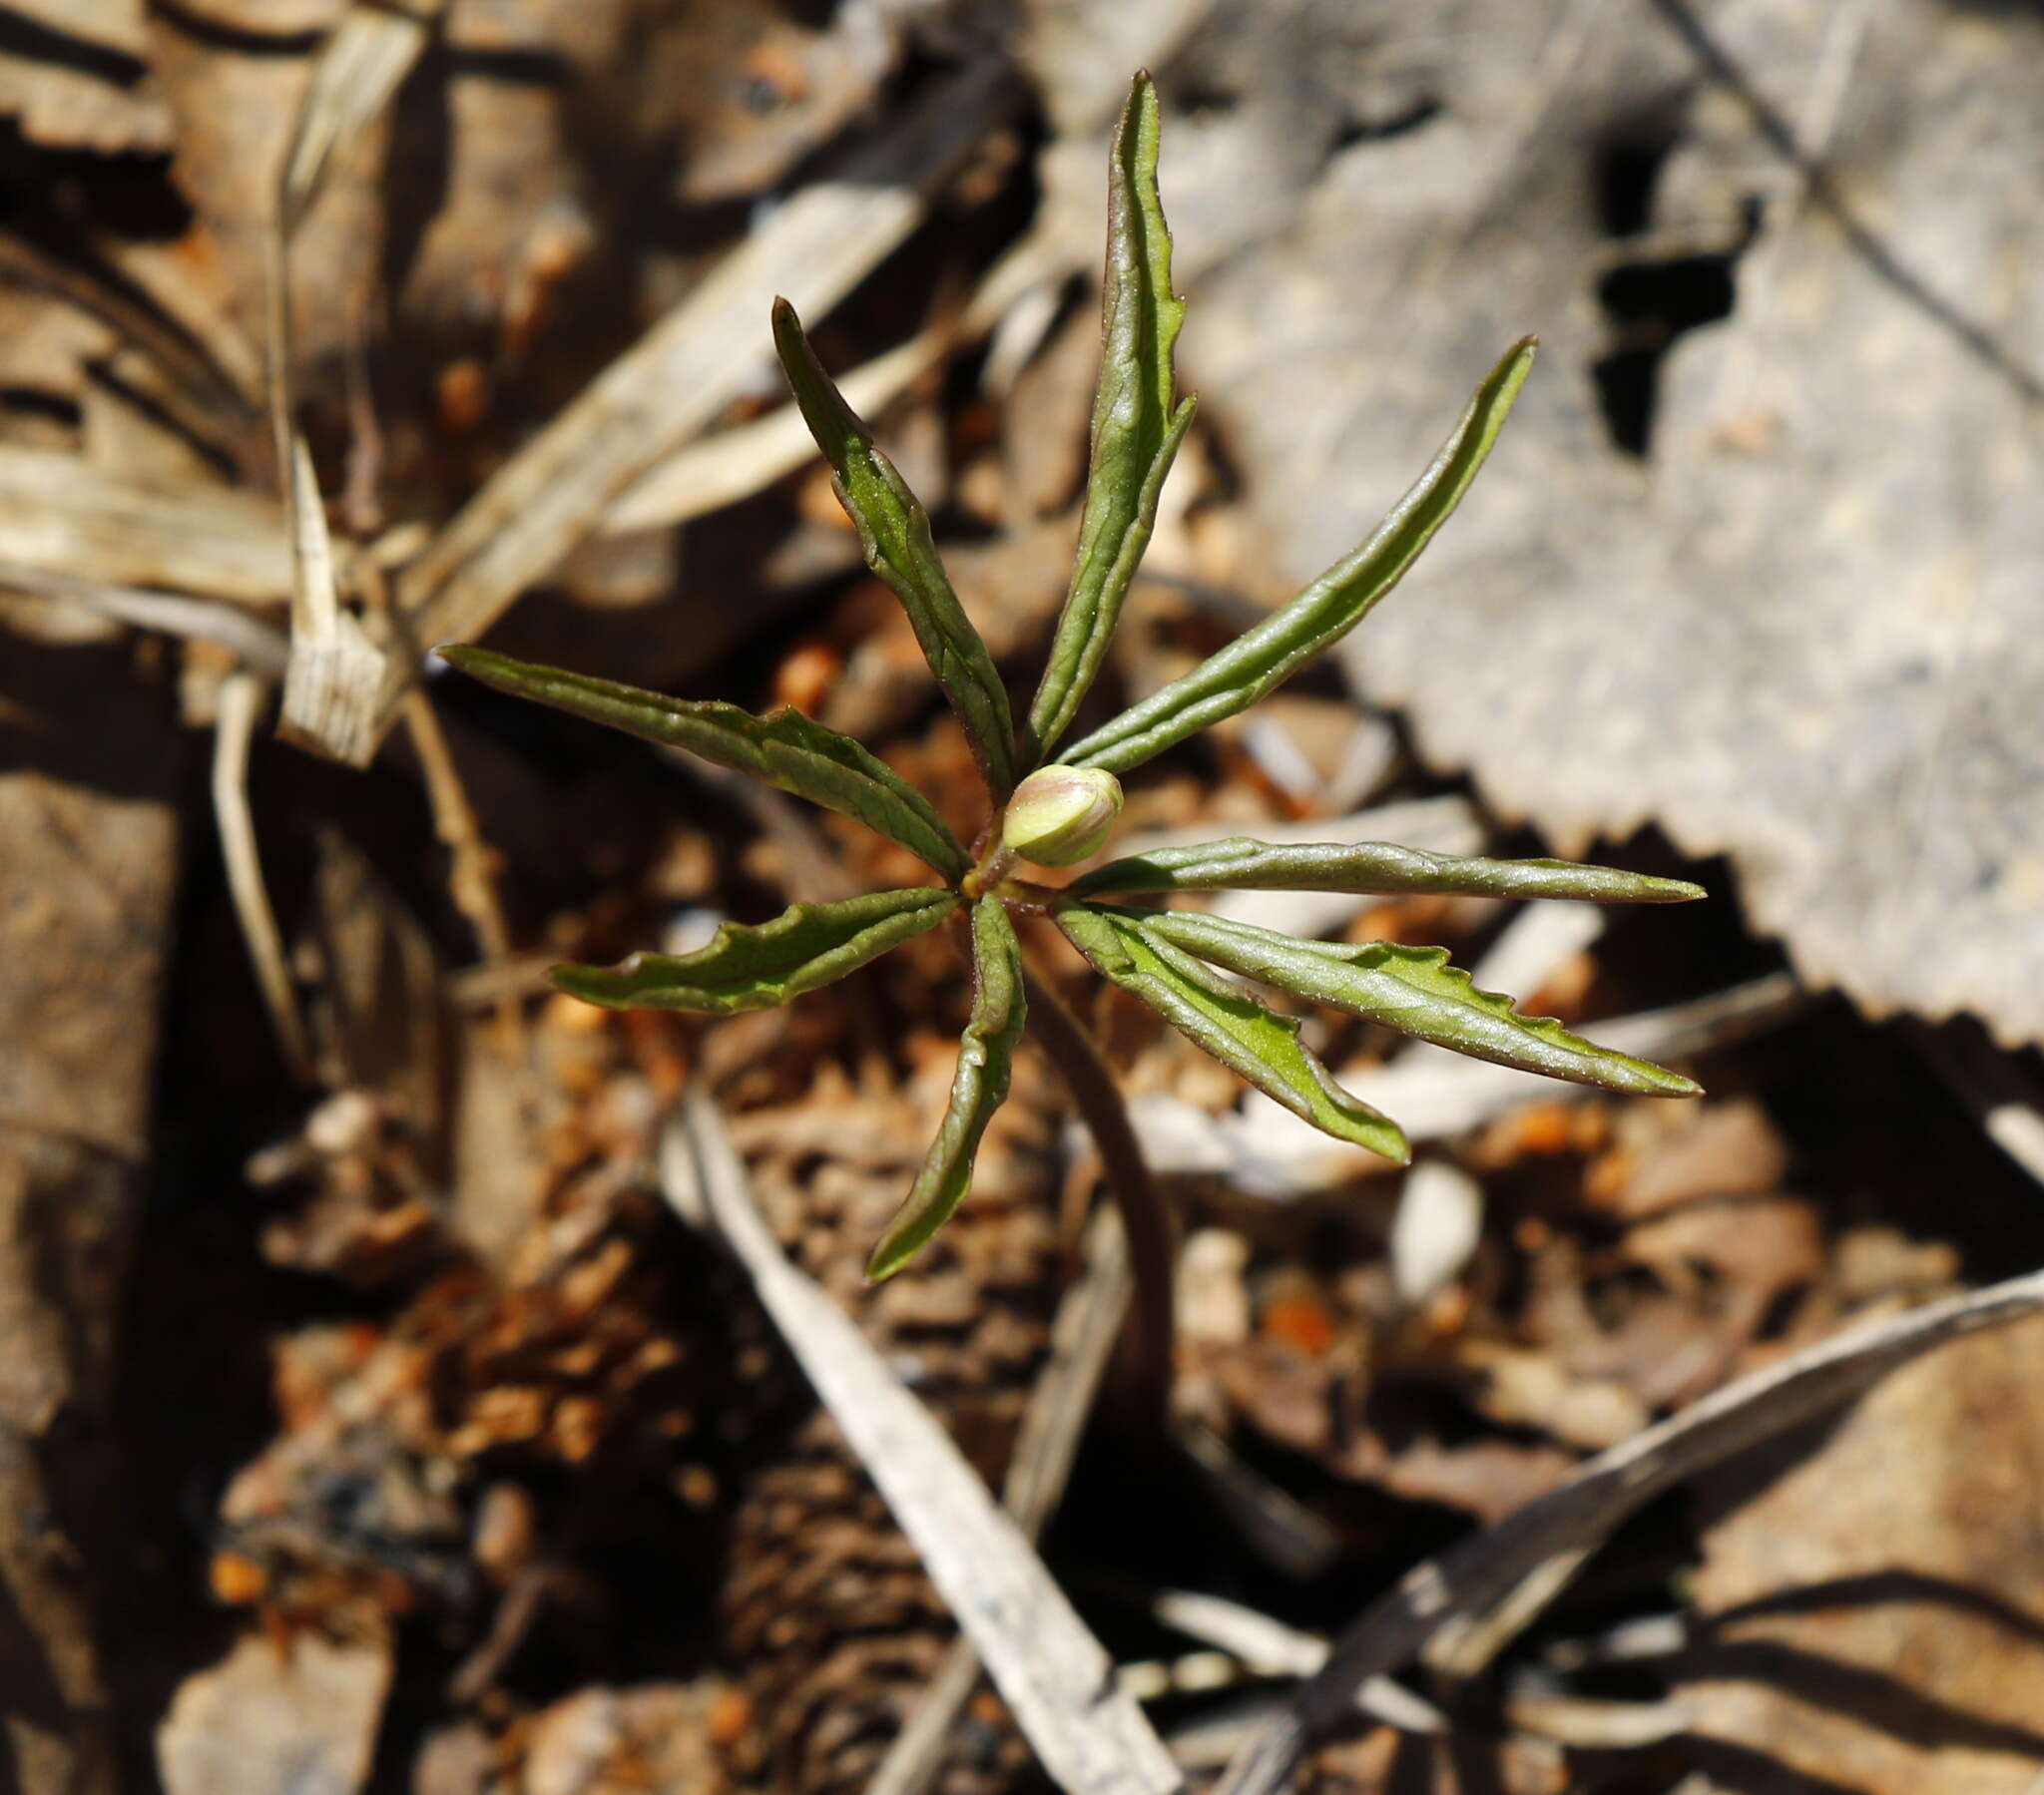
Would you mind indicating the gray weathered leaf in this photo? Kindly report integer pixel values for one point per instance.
(1769, 581)
(755, 967)
(785, 748)
(1257, 1044)
(986, 1057)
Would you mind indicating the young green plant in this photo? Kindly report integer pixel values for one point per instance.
(1050, 807)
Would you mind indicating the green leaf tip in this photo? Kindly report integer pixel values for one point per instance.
(894, 535)
(1257, 1044)
(782, 748)
(760, 966)
(1265, 657)
(1137, 428)
(1415, 990)
(1372, 867)
(986, 1057)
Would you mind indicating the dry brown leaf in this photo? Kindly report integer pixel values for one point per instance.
(1874, 1602)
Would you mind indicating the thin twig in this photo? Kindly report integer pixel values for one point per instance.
(472, 878)
(1151, 1226)
(241, 699)
(1524, 1561)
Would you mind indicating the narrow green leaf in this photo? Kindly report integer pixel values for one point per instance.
(1257, 1044)
(1415, 990)
(758, 966)
(1262, 658)
(986, 1056)
(1136, 429)
(894, 532)
(783, 748)
(1239, 864)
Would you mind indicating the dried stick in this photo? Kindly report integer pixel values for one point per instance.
(240, 697)
(1146, 1220)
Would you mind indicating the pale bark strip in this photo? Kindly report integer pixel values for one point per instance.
(1089, 1321)
(1053, 1674)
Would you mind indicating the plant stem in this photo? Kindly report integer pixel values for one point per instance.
(1146, 1220)
(990, 871)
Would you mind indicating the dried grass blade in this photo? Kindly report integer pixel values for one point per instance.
(60, 513)
(1053, 1674)
(734, 464)
(241, 702)
(333, 688)
(208, 381)
(730, 465)
(260, 647)
(361, 65)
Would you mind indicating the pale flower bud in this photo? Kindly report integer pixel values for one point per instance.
(1060, 814)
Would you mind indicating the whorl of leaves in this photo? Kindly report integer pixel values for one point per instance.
(1165, 957)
